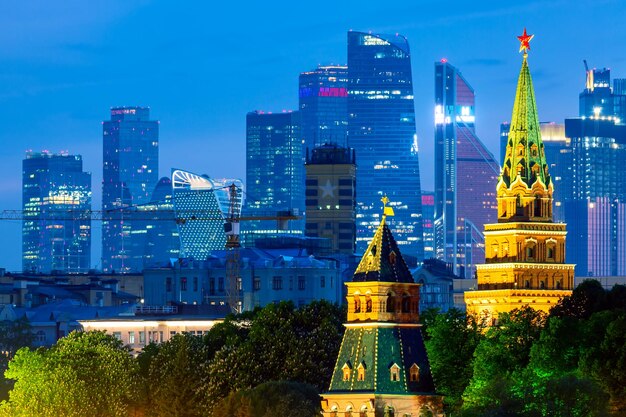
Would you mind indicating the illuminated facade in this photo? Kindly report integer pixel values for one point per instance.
(558, 152)
(323, 99)
(331, 197)
(428, 214)
(201, 205)
(381, 129)
(56, 198)
(274, 171)
(382, 368)
(466, 174)
(130, 172)
(595, 209)
(162, 238)
(525, 250)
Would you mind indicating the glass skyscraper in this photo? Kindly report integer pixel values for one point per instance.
(56, 199)
(428, 214)
(274, 170)
(162, 238)
(201, 205)
(381, 129)
(323, 99)
(466, 174)
(130, 172)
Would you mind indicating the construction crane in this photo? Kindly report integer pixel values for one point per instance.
(150, 212)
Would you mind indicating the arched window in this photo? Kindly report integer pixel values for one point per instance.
(333, 411)
(527, 284)
(391, 303)
(363, 412)
(394, 372)
(559, 285)
(348, 412)
(406, 303)
(414, 373)
(530, 251)
(368, 304)
(542, 285)
(357, 304)
(392, 258)
(538, 206)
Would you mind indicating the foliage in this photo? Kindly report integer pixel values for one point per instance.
(13, 336)
(176, 371)
(283, 343)
(83, 374)
(452, 339)
(276, 398)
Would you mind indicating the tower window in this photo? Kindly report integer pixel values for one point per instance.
(391, 303)
(357, 304)
(347, 370)
(394, 372)
(414, 373)
(360, 372)
(368, 304)
(406, 303)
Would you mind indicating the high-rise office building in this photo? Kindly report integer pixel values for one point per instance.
(466, 174)
(594, 211)
(559, 156)
(598, 99)
(56, 199)
(381, 129)
(331, 196)
(201, 205)
(323, 99)
(428, 216)
(274, 171)
(162, 236)
(130, 172)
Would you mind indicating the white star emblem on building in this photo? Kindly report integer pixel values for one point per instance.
(328, 190)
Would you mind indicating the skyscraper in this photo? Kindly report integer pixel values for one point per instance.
(428, 214)
(331, 196)
(595, 208)
(525, 250)
(274, 169)
(130, 172)
(56, 198)
(381, 129)
(323, 98)
(466, 174)
(162, 236)
(201, 205)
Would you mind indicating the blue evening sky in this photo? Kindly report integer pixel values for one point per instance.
(201, 65)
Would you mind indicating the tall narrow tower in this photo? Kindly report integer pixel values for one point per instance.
(525, 250)
(382, 368)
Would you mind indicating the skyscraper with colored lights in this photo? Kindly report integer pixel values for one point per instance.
(56, 199)
(323, 99)
(428, 214)
(274, 171)
(381, 129)
(130, 172)
(466, 174)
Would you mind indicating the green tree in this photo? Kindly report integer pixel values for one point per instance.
(13, 336)
(84, 374)
(176, 376)
(452, 339)
(500, 359)
(587, 298)
(270, 399)
(282, 343)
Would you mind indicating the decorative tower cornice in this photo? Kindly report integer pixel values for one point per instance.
(525, 188)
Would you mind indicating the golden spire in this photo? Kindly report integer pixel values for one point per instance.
(387, 211)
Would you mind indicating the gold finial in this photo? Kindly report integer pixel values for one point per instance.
(387, 211)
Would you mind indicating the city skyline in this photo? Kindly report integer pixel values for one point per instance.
(55, 77)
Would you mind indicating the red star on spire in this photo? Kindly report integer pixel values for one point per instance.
(525, 39)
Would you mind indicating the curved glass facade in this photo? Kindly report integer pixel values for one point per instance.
(381, 129)
(201, 205)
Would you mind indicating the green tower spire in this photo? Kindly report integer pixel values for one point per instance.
(525, 155)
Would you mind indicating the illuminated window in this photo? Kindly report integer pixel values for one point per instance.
(414, 373)
(360, 372)
(368, 304)
(347, 371)
(357, 304)
(394, 372)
